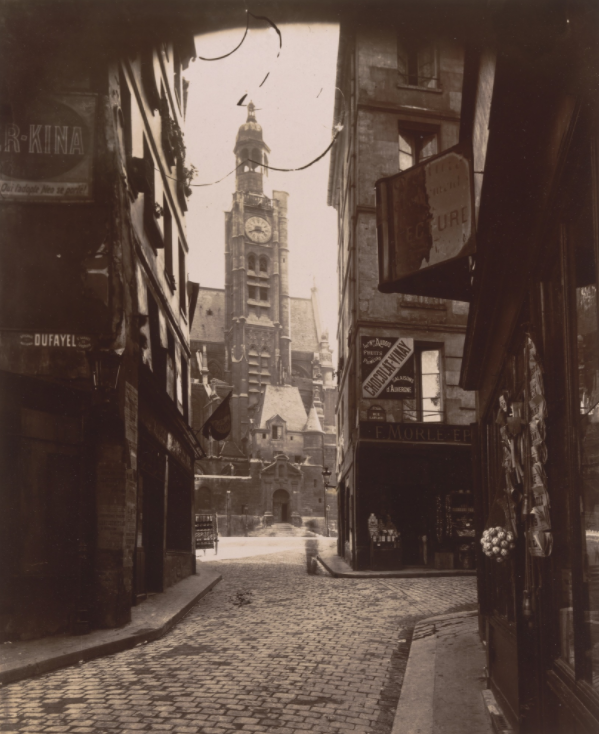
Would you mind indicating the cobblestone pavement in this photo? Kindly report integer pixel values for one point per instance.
(271, 649)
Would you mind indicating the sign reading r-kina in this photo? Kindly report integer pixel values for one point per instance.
(387, 367)
(46, 149)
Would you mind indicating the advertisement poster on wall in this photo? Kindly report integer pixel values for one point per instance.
(46, 149)
(387, 367)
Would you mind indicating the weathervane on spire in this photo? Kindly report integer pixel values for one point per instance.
(251, 115)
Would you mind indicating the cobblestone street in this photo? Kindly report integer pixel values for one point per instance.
(271, 649)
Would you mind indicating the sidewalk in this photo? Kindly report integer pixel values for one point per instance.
(442, 691)
(149, 621)
(339, 568)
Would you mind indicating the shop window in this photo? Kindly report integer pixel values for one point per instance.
(415, 147)
(417, 64)
(182, 280)
(587, 357)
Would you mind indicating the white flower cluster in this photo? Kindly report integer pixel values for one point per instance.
(498, 543)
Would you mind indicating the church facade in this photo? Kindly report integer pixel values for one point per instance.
(269, 350)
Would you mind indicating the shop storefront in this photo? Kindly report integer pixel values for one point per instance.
(413, 501)
(532, 353)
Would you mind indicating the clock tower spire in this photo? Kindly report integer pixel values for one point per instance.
(257, 304)
(250, 154)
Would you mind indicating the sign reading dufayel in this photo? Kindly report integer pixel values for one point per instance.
(46, 149)
(387, 365)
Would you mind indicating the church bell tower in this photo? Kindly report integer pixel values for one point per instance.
(257, 307)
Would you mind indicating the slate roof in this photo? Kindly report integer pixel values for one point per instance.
(209, 327)
(303, 326)
(285, 401)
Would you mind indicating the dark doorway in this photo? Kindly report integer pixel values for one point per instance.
(153, 532)
(149, 555)
(411, 509)
(280, 502)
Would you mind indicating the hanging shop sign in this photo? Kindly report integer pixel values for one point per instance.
(425, 227)
(387, 367)
(46, 149)
(416, 432)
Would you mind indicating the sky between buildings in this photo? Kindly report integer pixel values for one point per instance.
(295, 108)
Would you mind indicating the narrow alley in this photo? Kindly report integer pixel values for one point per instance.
(271, 649)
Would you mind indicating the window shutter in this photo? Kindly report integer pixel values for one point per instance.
(427, 67)
(406, 151)
(429, 147)
(148, 78)
(402, 62)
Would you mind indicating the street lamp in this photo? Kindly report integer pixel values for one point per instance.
(326, 475)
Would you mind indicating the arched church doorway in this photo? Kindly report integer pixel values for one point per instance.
(280, 506)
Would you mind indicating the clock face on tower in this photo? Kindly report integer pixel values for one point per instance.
(258, 229)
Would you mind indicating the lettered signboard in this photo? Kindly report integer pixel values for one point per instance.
(425, 227)
(46, 149)
(387, 365)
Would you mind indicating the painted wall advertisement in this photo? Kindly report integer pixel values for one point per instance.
(46, 149)
(387, 367)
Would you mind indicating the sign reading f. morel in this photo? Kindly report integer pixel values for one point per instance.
(387, 367)
(46, 149)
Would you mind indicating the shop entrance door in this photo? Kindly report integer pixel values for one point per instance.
(412, 517)
(280, 505)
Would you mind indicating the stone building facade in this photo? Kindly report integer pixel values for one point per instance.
(97, 452)
(399, 104)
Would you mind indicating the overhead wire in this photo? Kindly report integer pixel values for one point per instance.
(338, 129)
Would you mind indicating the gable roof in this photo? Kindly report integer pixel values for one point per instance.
(303, 325)
(286, 402)
(209, 321)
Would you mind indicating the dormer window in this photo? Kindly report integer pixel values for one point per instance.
(277, 432)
